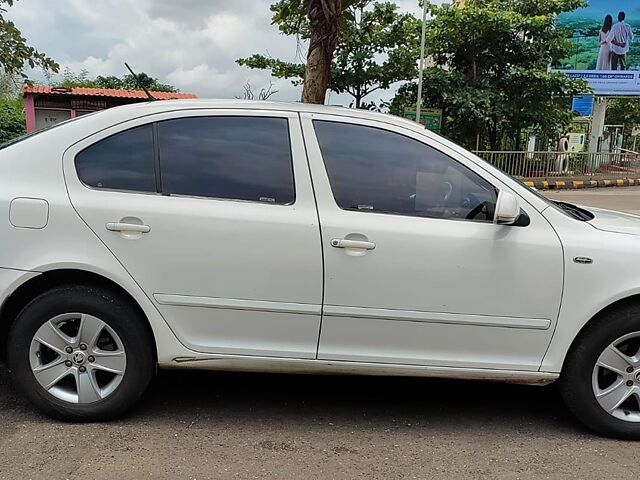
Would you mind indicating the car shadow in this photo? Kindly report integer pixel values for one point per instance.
(356, 402)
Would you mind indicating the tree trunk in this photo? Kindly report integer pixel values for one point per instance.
(358, 98)
(324, 16)
(518, 140)
(493, 135)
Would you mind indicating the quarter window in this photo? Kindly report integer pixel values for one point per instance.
(244, 158)
(124, 161)
(375, 170)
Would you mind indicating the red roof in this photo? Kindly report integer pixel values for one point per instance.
(103, 92)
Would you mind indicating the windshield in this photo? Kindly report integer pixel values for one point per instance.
(31, 134)
(569, 209)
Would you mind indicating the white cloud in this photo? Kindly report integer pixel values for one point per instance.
(192, 44)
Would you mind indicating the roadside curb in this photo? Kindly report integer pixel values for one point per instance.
(575, 184)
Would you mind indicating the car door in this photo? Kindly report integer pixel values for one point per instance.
(416, 272)
(212, 213)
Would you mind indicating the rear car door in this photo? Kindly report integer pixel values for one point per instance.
(212, 213)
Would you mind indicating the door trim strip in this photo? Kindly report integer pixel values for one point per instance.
(433, 317)
(355, 312)
(238, 304)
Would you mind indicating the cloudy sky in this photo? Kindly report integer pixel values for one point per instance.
(191, 44)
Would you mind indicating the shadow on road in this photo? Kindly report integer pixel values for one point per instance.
(348, 401)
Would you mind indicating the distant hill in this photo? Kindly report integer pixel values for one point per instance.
(587, 21)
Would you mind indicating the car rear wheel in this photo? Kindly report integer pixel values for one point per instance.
(81, 353)
(601, 378)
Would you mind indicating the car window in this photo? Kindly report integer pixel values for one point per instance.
(372, 169)
(242, 158)
(124, 161)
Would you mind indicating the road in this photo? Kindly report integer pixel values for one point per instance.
(201, 425)
(626, 199)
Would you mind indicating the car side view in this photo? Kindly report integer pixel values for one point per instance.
(257, 236)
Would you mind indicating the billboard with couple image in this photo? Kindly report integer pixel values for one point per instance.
(606, 50)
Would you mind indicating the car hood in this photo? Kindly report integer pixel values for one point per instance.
(612, 221)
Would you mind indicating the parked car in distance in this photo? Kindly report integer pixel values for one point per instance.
(256, 236)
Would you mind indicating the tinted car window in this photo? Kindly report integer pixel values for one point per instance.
(371, 169)
(124, 161)
(243, 158)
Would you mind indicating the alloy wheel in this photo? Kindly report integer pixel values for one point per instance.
(77, 358)
(616, 378)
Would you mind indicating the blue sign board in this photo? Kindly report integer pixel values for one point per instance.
(583, 105)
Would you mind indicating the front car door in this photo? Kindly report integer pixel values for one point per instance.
(415, 270)
(212, 213)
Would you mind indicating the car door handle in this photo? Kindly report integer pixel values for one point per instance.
(127, 227)
(344, 243)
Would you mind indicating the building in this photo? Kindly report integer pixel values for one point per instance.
(45, 106)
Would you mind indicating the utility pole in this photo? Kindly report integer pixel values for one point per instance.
(597, 123)
(421, 69)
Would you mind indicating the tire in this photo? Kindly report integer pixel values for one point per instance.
(584, 386)
(113, 346)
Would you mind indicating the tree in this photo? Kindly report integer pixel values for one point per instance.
(493, 78)
(264, 94)
(9, 86)
(70, 79)
(377, 46)
(624, 111)
(324, 16)
(128, 82)
(12, 121)
(14, 51)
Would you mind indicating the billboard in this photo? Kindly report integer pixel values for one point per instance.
(606, 50)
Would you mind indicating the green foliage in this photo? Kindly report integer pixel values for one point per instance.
(70, 79)
(14, 51)
(12, 121)
(128, 82)
(624, 111)
(492, 77)
(292, 16)
(378, 46)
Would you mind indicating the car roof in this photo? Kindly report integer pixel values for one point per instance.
(159, 106)
(237, 103)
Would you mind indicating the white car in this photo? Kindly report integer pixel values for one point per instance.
(231, 235)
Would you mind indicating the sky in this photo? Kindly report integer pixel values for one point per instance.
(191, 44)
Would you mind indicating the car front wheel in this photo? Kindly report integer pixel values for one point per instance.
(601, 378)
(81, 353)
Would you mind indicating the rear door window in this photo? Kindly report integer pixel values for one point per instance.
(124, 161)
(240, 158)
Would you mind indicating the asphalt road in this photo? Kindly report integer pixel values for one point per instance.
(625, 199)
(201, 425)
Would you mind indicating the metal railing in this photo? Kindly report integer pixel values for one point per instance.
(564, 164)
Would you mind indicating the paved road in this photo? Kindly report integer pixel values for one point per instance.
(626, 199)
(200, 425)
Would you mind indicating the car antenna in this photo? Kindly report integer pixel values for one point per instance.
(150, 97)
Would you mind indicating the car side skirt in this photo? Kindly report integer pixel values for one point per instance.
(324, 367)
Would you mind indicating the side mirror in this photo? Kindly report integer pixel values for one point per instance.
(507, 208)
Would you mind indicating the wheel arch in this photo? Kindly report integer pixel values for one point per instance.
(47, 280)
(617, 304)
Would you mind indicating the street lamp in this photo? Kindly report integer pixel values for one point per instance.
(421, 69)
